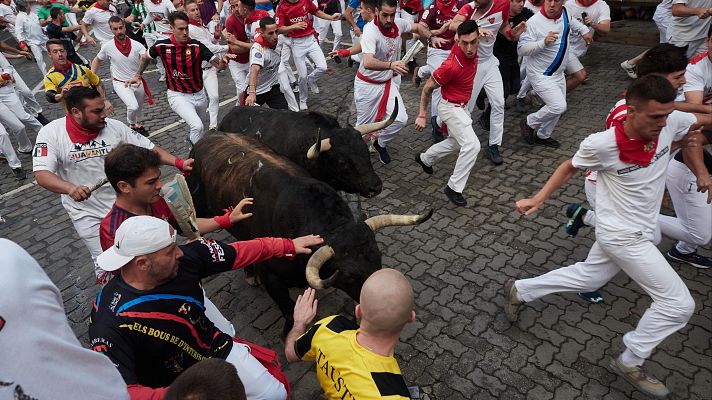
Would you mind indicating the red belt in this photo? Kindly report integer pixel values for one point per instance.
(455, 103)
(146, 90)
(382, 104)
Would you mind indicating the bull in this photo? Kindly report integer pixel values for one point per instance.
(316, 142)
(288, 203)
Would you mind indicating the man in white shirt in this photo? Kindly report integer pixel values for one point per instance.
(596, 15)
(7, 12)
(631, 159)
(698, 77)
(265, 58)
(377, 83)
(690, 22)
(124, 54)
(546, 44)
(26, 96)
(97, 16)
(154, 17)
(29, 32)
(68, 159)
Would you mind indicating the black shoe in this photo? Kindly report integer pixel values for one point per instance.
(411, 66)
(520, 105)
(484, 123)
(24, 152)
(594, 297)
(692, 259)
(480, 102)
(43, 120)
(19, 173)
(493, 153)
(382, 152)
(428, 170)
(548, 142)
(455, 197)
(350, 62)
(437, 136)
(141, 130)
(575, 214)
(527, 131)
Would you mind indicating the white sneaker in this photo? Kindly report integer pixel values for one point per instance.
(629, 69)
(303, 106)
(312, 86)
(162, 78)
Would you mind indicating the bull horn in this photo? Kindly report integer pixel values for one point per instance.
(318, 147)
(316, 261)
(377, 126)
(382, 221)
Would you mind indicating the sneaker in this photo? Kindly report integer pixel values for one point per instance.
(527, 131)
(638, 378)
(455, 197)
(629, 69)
(312, 86)
(141, 130)
(350, 62)
(427, 169)
(162, 78)
(295, 86)
(594, 297)
(43, 120)
(303, 105)
(520, 105)
(575, 213)
(480, 102)
(548, 142)
(25, 151)
(19, 173)
(511, 302)
(484, 123)
(382, 152)
(693, 259)
(492, 151)
(411, 66)
(416, 79)
(437, 136)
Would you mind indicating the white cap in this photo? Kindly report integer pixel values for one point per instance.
(137, 236)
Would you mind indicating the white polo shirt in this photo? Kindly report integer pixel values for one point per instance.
(382, 47)
(99, 21)
(27, 28)
(122, 68)
(82, 164)
(269, 60)
(9, 14)
(699, 76)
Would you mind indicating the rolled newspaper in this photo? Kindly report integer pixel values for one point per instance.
(412, 51)
(179, 200)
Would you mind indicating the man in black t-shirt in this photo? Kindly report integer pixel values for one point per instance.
(57, 30)
(150, 319)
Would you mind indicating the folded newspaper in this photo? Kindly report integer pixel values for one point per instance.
(412, 51)
(180, 202)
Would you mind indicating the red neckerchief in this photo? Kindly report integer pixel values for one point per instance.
(256, 16)
(124, 49)
(63, 70)
(554, 17)
(444, 6)
(77, 133)
(156, 2)
(261, 40)
(177, 44)
(195, 23)
(634, 151)
(587, 3)
(393, 33)
(99, 6)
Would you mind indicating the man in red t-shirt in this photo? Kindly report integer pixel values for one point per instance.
(410, 11)
(240, 26)
(455, 77)
(293, 21)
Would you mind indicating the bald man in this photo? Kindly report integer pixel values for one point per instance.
(356, 360)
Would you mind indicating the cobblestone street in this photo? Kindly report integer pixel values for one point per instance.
(461, 346)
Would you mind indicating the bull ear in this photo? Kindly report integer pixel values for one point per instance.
(314, 151)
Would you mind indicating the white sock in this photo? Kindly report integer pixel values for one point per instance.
(589, 218)
(631, 360)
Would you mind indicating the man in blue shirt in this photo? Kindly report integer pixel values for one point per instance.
(358, 14)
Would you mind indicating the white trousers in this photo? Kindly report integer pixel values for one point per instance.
(210, 84)
(87, 228)
(259, 383)
(590, 188)
(461, 137)
(355, 40)
(286, 76)
(26, 96)
(38, 54)
(7, 150)
(239, 73)
(692, 225)
(191, 107)
(489, 78)
(638, 257)
(663, 27)
(367, 96)
(525, 84)
(151, 39)
(436, 57)
(132, 97)
(322, 28)
(552, 90)
(15, 118)
(303, 48)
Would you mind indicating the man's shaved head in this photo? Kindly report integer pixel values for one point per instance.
(386, 302)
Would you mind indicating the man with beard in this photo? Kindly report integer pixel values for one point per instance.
(153, 15)
(240, 40)
(97, 16)
(265, 59)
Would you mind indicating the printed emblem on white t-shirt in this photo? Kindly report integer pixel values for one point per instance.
(40, 150)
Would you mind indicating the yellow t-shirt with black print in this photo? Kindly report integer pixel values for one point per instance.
(345, 369)
(76, 75)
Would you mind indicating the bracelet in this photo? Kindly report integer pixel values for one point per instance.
(390, 64)
(422, 116)
(179, 163)
(224, 220)
(254, 91)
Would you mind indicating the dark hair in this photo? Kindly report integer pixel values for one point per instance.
(54, 12)
(709, 32)
(248, 3)
(127, 162)
(650, 87)
(74, 98)
(266, 21)
(664, 58)
(20, 6)
(115, 18)
(54, 41)
(177, 15)
(467, 27)
(187, 2)
(210, 379)
(390, 3)
(368, 4)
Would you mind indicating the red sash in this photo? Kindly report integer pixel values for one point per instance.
(382, 104)
(268, 358)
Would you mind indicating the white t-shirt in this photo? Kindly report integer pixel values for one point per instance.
(491, 20)
(99, 21)
(122, 68)
(699, 77)
(41, 356)
(663, 12)
(160, 12)
(27, 28)
(8, 13)
(598, 12)
(269, 60)
(532, 7)
(383, 48)
(691, 28)
(82, 164)
(628, 196)
(552, 58)
(205, 36)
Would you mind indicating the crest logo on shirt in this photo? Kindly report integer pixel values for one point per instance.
(184, 309)
(188, 52)
(650, 146)
(491, 20)
(40, 150)
(115, 301)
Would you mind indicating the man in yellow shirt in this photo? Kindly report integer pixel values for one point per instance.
(64, 75)
(355, 361)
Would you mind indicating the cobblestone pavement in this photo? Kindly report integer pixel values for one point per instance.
(461, 346)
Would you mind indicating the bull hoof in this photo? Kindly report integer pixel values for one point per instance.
(252, 280)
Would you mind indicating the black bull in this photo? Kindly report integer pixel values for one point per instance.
(314, 141)
(288, 203)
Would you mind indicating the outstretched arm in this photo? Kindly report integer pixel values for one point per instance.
(562, 175)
